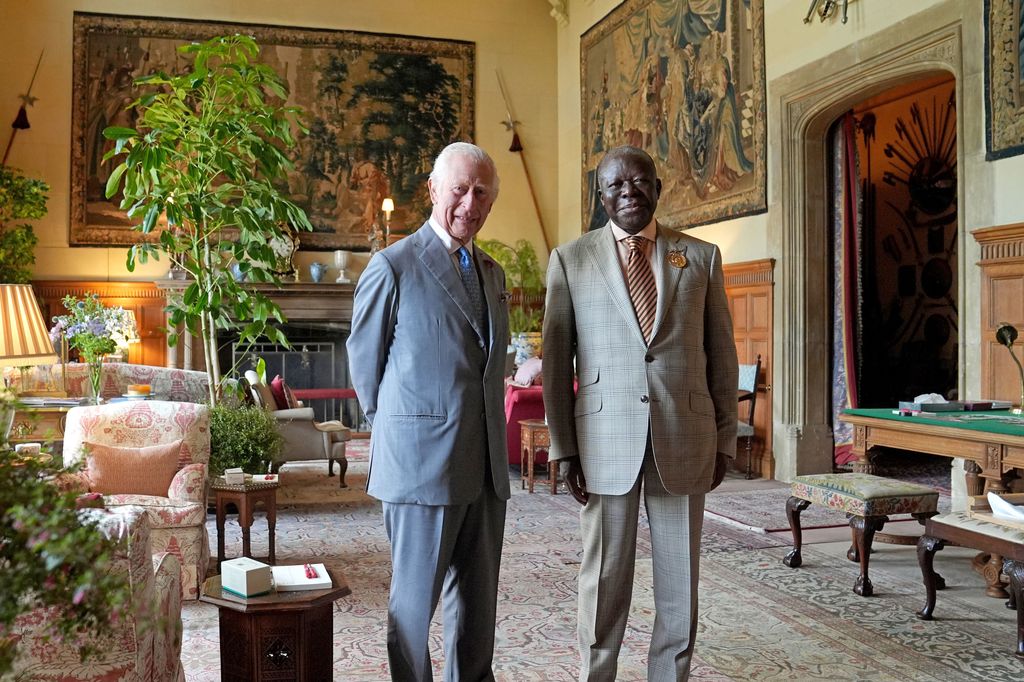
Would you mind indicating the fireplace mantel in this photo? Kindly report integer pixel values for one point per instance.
(325, 302)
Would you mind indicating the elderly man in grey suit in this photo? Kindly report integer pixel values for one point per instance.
(637, 316)
(427, 358)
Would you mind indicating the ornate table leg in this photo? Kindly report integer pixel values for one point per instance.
(863, 529)
(271, 505)
(795, 505)
(221, 512)
(972, 475)
(926, 549)
(1015, 571)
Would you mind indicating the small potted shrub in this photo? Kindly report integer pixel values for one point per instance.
(243, 436)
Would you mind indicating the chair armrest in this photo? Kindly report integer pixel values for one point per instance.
(189, 483)
(330, 426)
(294, 414)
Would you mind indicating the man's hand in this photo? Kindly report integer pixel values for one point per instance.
(576, 481)
(721, 465)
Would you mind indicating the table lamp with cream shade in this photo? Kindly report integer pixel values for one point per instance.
(388, 207)
(24, 338)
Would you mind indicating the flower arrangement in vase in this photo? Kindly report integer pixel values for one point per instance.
(94, 330)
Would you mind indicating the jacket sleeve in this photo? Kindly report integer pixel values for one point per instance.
(720, 348)
(374, 312)
(559, 355)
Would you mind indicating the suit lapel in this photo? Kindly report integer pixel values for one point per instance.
(666, 274)
(438, 261)
(492, 294)
(605, 256)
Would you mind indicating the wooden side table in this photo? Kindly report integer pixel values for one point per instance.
(535, 436)
(245, 498)
(277, 636)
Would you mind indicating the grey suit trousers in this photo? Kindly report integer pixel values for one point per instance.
(454, 550)
(609, 528)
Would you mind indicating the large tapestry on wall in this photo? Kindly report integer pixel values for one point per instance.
(379, 109)
(684, 81)
(1004, 78)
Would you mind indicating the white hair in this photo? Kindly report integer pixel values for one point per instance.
(441, 163)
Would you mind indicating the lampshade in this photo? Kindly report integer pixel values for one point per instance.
(388, 205)
(24, 337)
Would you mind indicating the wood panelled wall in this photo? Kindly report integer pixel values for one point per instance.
(750, 287)
(1002, 300)
(142, 298)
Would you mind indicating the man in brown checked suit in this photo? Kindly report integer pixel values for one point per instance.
(637, 314)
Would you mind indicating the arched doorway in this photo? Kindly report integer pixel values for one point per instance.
(806, 103)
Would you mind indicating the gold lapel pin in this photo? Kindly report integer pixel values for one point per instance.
(677, 259)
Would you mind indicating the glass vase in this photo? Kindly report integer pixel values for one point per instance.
(96, 380)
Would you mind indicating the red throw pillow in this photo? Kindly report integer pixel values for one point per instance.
(148, 470)
(280, 391)
(289, 397)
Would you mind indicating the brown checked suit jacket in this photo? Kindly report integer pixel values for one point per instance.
(681, 388)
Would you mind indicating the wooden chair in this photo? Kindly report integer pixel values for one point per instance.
(748, 393)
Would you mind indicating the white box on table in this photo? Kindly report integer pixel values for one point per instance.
(245, 577)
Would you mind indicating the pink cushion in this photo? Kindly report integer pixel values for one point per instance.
(277, 387)
(137, 471)
(528, 373)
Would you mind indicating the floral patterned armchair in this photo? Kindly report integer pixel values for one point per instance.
(139, 649)
(178, 518)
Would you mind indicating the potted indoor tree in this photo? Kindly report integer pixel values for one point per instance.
(208, 153)
(526, 282)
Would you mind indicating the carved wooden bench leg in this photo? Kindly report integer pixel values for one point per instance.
(1014, 570)
(926, 549)
(863, 529)
(795, 505)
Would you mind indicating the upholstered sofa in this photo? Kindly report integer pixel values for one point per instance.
(178, 517)
(178, 385)
(139, 650)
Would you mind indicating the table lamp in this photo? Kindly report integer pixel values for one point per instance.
(388, 206)
(1006, 334)
(24, 338)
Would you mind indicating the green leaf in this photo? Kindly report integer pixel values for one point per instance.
(114, 180)
(118, 133)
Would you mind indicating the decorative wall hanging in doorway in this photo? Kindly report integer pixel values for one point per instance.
(379, 109)
(688, 87)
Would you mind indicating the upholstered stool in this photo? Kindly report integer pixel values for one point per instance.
(988, 535)
(867, 500)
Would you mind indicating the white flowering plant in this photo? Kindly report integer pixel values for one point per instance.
(92, 328)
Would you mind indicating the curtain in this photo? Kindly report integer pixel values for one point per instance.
(847, 286)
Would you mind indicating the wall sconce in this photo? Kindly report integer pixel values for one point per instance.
(1006, 334)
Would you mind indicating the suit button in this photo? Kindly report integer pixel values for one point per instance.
(648, 358)
(644, 399)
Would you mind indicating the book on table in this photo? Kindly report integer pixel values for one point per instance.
(296, 577)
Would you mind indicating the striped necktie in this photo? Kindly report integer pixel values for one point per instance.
(470, 280)
(640, 280)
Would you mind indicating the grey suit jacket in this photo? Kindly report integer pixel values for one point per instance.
(431, 389)
(682, 388)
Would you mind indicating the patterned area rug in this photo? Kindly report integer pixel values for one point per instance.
(307, 483)
(759, 620)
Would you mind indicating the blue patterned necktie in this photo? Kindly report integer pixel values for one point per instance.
(470, 280)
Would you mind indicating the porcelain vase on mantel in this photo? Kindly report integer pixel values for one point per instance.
(341, 262)
(527, 344)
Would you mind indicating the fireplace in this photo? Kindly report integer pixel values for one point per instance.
(319, 317)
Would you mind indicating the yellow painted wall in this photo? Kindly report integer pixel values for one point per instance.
(789, 44)
(515, 36)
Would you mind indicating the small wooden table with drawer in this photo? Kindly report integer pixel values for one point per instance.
(535, 436)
